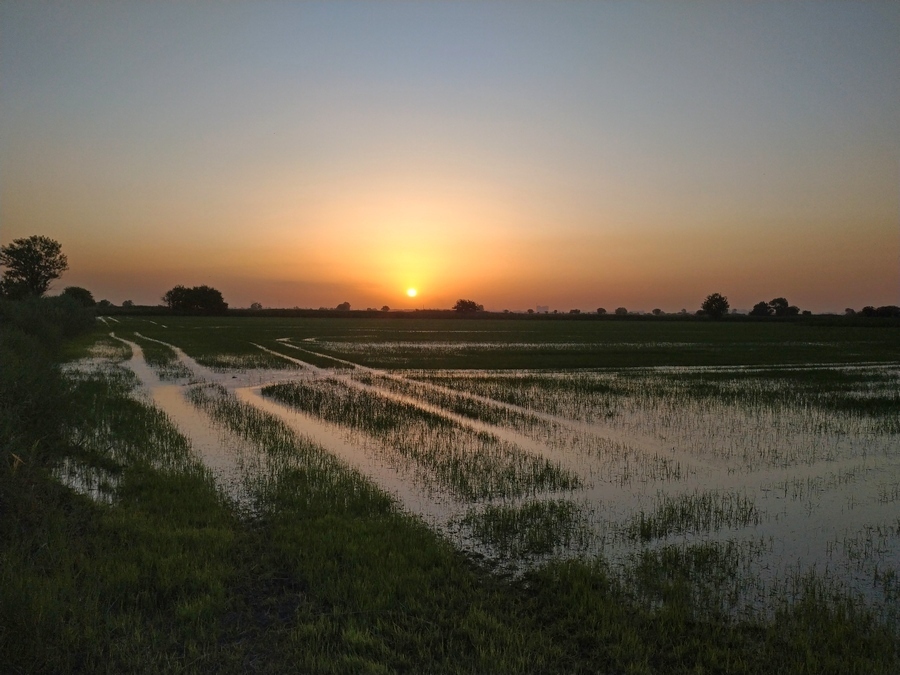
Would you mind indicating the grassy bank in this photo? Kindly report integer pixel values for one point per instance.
(151, 568)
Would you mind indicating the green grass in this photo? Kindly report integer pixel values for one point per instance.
(553, 344)
(470, 464)
(162, 359)
(135, 585)
(695, 513)
(326, 575)
(532, 529)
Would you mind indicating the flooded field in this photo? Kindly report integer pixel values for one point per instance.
(753, 479)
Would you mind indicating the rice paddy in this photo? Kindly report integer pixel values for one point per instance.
(642, 457)
(730, 492)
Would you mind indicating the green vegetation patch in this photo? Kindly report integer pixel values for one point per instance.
(132, 585)
(471, 465)
(518, 343)
(326, 576)
(162, 359)
(530, 529)
(693, 513)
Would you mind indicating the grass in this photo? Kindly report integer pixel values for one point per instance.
(470, 464)
(162, 359)
(491, 343)
(536, 528)
(131, 585)
(326, 575)
(694, 513)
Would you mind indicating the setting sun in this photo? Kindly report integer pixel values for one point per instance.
(411, 292)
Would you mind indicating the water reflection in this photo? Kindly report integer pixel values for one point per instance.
(823, 483)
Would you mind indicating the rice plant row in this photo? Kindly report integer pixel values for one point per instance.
(471, 465)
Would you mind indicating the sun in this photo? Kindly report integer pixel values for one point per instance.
(411, 292)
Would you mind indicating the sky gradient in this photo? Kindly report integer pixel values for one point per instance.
(576, 155)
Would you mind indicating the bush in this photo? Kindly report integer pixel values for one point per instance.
(48, 319)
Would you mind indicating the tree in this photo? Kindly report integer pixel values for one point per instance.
(200, 299)
(601, 310)
(781, 307)
(128, 303)
(385, 309)
(574, 311)
(657, 312)
(256, 306)
(621, 311)
(884, 311)
(31, 264)
(761, 309)
(715, 305)
(80, 295)
(467, 306)
(344, 307)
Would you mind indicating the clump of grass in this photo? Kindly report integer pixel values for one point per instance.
(106, 396)
(530, 529)
(318, 470)
(163, 359)
(694, 513)
(712, 579)
(472, 465)
(223, 363)
(458, 402)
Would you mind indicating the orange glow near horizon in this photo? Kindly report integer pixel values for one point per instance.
(538, 169)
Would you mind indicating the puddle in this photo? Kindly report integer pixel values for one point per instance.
(91, 481)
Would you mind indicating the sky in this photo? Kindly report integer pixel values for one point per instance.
(566, 154)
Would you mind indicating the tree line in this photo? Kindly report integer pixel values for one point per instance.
(33, 263)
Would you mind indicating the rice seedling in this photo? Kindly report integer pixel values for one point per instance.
(533, 528)
(162, 359)
(472, 465)
(712, 579)
(889, 493)
(92, 481)
(324, 574)
(284, 449)
(694, 513)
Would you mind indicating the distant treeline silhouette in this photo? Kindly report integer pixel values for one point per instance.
(890, 311)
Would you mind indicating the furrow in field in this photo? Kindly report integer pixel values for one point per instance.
(560, 439)
(238, 466)
(224, 454)
(471, 464)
